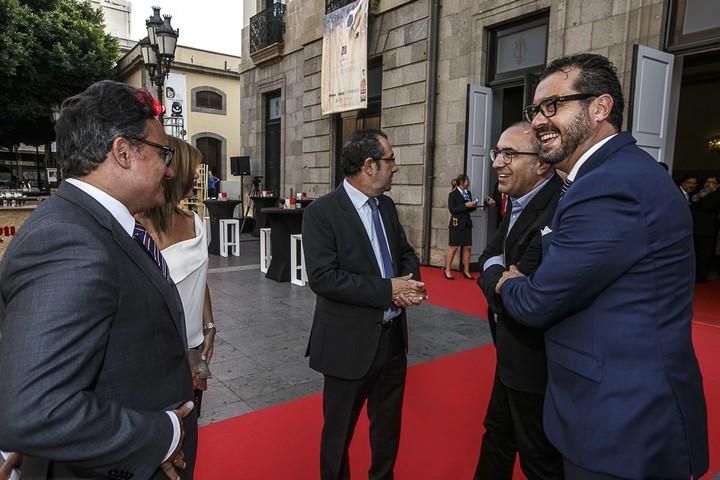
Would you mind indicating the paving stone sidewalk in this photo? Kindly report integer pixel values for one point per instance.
(263, 328)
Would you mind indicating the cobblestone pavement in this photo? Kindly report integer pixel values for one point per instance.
(263, 328)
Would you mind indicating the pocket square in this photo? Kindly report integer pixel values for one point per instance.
(545, 231)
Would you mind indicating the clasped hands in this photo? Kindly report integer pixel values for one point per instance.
(511, 272)
(407, 292)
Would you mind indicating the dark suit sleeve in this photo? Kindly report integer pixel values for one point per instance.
(407, 262)
(324, 262)
(58, 310)
(585, 255)
(489, 277)
(456, 203)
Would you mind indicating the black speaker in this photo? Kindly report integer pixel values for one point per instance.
(240, 165)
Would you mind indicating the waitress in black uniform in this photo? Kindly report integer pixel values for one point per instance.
(460, 204)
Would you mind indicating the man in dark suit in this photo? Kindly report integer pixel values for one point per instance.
(513, 421)
(363, 271)
(614, 289)
(95, 379)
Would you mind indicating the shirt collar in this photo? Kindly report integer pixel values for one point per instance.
(520, 203)
(357, 198)
(574, 170)
(111, 204)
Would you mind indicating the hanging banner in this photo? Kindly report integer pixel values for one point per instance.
(174, 98)
(344, 59)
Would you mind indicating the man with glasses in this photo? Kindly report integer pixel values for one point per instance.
(96, 381)
(513, 421)
(614, 291)
(364, 273)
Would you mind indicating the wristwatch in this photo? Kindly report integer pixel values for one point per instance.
(208, 326)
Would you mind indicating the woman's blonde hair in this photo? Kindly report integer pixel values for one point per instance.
(185, 163)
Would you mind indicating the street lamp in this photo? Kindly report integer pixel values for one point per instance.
(158, 49)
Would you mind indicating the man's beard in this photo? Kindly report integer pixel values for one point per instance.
(575, 135)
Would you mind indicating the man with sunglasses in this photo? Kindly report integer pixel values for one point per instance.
(95, 378)
(364, 273)
(513, 420)
(614, 291)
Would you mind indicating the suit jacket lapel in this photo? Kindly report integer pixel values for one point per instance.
(131, 248)
(390, 230)
(621, 140)
(533, 210)
(355, 224)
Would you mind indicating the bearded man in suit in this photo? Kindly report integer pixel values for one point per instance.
(513, 421)
(614, 291)
(96, 381)
(364, 273)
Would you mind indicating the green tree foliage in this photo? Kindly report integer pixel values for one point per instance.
(49, 50)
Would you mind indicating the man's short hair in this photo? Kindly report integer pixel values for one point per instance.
(361, 145)
(90, 121)
(597, 75)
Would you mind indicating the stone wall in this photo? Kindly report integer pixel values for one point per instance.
(400, 35)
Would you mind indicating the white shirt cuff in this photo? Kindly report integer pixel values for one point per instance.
(176, 435)
(496, 260)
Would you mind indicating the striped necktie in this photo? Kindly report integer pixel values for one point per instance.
(148, 244)
(380, 234)
(384, 250)
(566, 184)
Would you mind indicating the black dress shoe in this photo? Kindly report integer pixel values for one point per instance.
(448, 276)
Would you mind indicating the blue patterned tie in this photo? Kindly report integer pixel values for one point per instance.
(148, 244)
(380, 234)
(566, 184)
(384, 251)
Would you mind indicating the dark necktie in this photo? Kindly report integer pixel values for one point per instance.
(566, 184)
(148, 244)
(384, 252)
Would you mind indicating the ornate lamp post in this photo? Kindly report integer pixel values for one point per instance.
(158, 49)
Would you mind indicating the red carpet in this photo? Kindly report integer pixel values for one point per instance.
(442, 423)
(707, 302)
(461, 294)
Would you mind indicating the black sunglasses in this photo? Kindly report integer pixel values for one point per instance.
(548, 107)
(506, 156)
(168, 152)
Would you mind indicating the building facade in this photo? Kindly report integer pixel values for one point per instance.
(444, 81)
(202, 101)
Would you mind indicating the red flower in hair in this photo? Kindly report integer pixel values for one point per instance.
(144, 97)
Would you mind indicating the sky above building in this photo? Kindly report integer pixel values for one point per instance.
(214, 25)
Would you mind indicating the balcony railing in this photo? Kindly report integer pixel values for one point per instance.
(332, 5)
(267, 28)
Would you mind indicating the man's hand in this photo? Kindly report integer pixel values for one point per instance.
(176, 458)
(489, 202)
(512, 272)
(13, 460)
(407, 292)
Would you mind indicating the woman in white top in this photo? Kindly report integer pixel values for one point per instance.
(180, 235)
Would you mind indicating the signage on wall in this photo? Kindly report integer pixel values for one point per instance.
(344, 59)
(174, 98)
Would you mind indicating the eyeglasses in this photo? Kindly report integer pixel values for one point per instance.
(168, 152)
(391, 158)
(506, 156)
(548, 107)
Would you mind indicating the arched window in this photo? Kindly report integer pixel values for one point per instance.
(208, 100)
